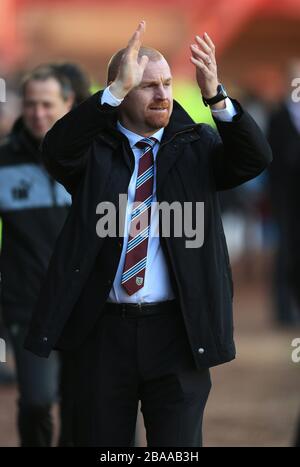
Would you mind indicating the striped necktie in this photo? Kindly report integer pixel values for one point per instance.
(133, 276)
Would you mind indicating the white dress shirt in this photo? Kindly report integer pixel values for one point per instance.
(157, 285)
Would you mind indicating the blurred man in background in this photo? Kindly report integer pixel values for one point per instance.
(9, 111)
(284, 138)
(33, 208)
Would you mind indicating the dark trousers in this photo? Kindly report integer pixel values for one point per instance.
(146, 358)
(38, 390)
(41, 383)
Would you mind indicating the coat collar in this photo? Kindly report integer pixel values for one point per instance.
(180, 122)
(180, 130)
(21, 140)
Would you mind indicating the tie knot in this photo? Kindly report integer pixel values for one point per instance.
(146, 143)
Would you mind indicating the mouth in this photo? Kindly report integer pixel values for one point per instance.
(159, 109)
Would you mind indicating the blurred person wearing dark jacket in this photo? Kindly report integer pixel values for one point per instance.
(33, 208)
(9, 111)
(284, 137)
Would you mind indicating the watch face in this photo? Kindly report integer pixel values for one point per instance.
(222, 90)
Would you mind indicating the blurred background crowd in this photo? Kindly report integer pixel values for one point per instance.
(258, 56)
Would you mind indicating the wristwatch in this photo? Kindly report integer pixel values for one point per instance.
(220, 96)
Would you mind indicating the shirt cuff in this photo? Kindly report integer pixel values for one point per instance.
(109, 98)
(225, 115)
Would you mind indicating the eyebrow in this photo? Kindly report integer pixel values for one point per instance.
(156, 81)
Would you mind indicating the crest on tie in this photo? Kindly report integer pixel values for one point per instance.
(139, 280)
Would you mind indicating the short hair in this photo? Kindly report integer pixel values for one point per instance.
(114, 63)
(78, 78)
(45, 72)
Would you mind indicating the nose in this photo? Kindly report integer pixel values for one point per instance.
(39, 112)
(161, 92)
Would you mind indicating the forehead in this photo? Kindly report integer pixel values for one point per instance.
(48, 88)
(157, 70)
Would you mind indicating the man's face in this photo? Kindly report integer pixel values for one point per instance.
(148, 107)
(43, 105)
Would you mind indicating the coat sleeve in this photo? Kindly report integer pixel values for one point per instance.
(65, 146)
(238, 151)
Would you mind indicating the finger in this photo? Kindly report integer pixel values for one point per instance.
(209, 41)
(134, 42)
(204, 45)
(197, 53)
(200, 64)
(207, 60)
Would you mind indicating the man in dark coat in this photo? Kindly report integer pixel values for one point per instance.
(33, 208)
(144, 316)
(284, 138)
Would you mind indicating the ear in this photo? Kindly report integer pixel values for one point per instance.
(70, 101)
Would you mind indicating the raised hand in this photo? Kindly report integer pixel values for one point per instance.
(203, 57)
(131, 67)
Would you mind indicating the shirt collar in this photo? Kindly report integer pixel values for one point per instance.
(133, 138)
